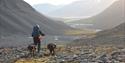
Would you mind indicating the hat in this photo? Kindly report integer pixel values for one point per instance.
(37, 26)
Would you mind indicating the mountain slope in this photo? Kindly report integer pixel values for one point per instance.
(119, 30)
(113, 16)
(114, 36)
(16, 16)
(109, 18)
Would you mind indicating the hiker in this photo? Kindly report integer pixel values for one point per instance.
(51, 48)
(37, 35)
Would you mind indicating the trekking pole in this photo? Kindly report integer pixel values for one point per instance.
(45, 45)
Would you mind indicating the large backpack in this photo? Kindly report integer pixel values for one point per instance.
(36, 31)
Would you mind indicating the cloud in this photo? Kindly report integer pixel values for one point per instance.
(98, 1)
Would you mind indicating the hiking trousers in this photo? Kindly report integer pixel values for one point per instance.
(37, 42)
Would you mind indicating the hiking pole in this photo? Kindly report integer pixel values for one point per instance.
(45, 45)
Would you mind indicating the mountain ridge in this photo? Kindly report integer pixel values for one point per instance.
(81, 9)
(17, 16)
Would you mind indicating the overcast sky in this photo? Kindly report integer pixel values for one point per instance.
(54, 2)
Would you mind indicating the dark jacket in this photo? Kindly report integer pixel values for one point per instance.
(37, 32)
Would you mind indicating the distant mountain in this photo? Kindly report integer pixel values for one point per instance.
(46, 8)
(112, 21)
(109, 18)
(18, 17)
(114, 36)
(82, 8)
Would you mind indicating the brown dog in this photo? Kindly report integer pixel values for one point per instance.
(32, 49)
(51, 48)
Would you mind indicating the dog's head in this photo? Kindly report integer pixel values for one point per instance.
(51, 46)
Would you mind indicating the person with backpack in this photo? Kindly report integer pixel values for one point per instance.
(37, 34)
